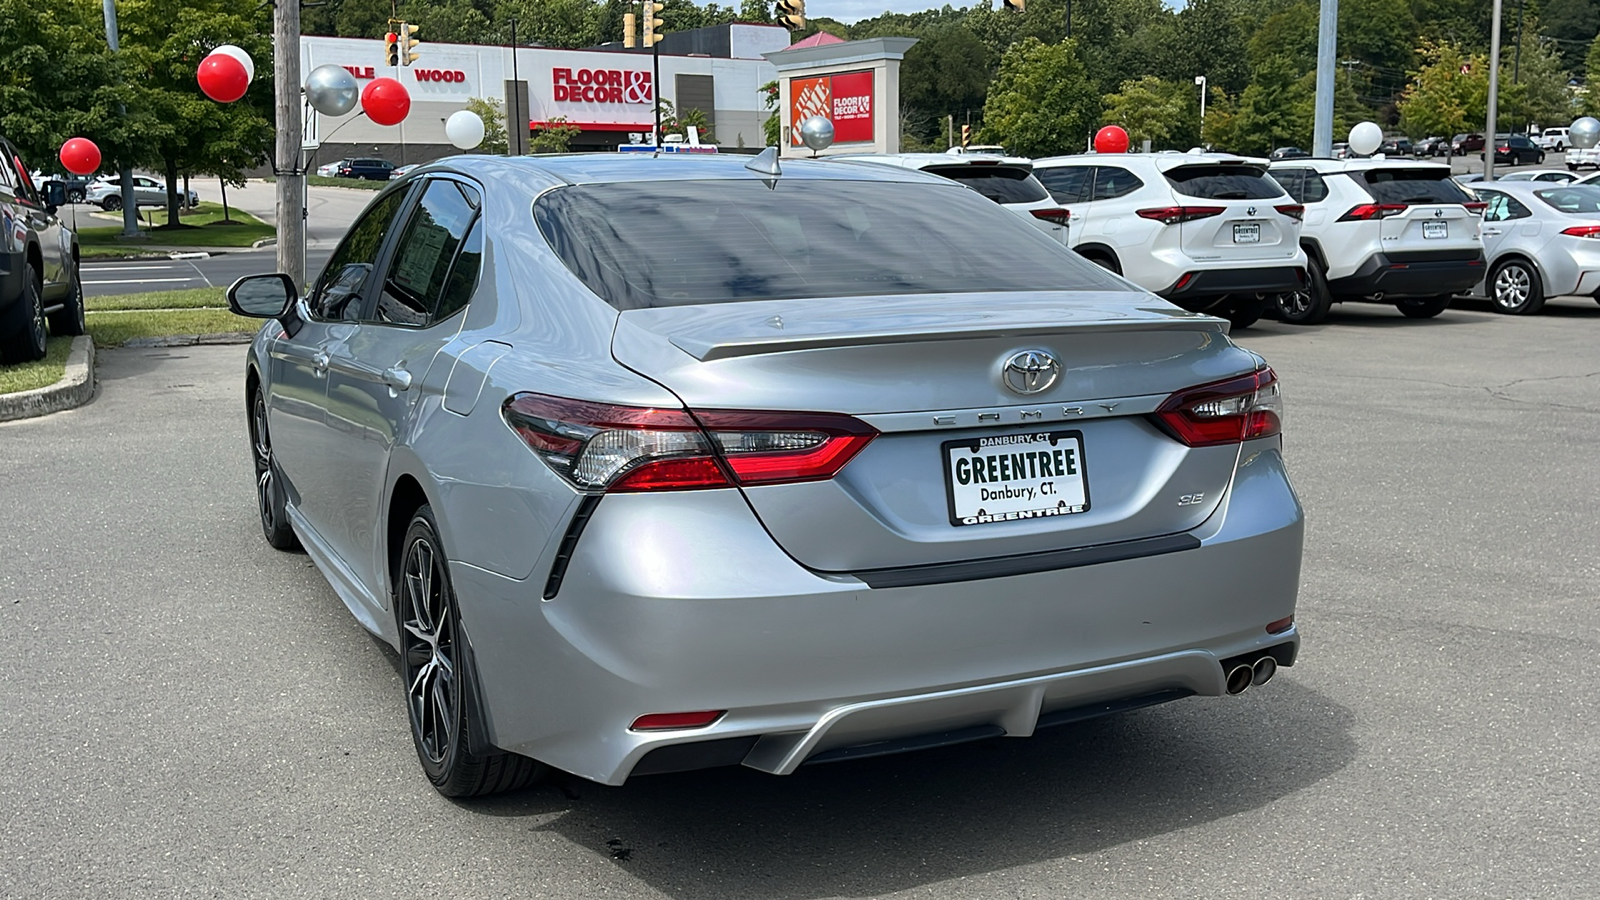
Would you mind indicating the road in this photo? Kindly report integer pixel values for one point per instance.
(188, 713)
(131, 275)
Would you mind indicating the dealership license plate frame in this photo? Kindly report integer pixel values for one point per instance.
(1435, 231)
(1058, 434)
(1253, 229)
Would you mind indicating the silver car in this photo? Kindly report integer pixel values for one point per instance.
(107, 193)
(655, 464)
(1541, 240)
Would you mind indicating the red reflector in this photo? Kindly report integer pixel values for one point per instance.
(1225, 412)
(1292, 210)
(1058, 215)
(1184, 281)
(1587, 231)
(672, 721)
(1280, 626)
(1172, 215)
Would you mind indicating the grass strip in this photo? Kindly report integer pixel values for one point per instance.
(203, 226)
(191, 298)
(41, 373)
(114, 328)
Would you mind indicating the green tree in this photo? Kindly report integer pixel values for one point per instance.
(1573, 24)
(1210, 37)
(945, 73)
(1041, 103)
(1591, 94)
(1275, 110)
(1443, 100)
(496, 140)
(555, 137)
(772, 125)
(1154, 110)
(1544, 99)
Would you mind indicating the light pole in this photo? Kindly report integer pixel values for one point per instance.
(1201, 81)
(1489, 142)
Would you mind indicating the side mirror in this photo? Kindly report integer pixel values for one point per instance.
(55, 196)
(262, 296)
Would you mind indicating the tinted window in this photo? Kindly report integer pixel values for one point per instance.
(1067, 184)
(650, 244)
(338, 291)
(416, 276)
(1223, 182)
(8, 178)
(1292, 181)
(1111, 182)
(1002, 184)
(463, 278)
(1413, 186)
(1573, 198)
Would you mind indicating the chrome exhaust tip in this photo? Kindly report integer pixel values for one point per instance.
(1263, 670)
(1239, 679)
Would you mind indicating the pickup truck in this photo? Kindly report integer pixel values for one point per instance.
(39, 289)
(1577, 158)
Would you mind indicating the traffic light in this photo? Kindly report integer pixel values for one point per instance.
(792, 14)
(653, 23)
(1016, 4)
(408, 44)
(966, 136)
(391, 49)
(630, 27)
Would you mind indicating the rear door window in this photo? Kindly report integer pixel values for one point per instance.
(1226, 181)
(1067, 184)
(419, 271)
(1410, 185)
(1002, 184)
(1111, 182)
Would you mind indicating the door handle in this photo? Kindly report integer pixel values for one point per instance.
(319, 362)
(397, 378)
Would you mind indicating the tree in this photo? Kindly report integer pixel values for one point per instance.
(1041, 103)
(1153, 110)
(772, 125)
(1210, 36)
(1441, 98)
(1573, 24)
(1275, 110)
(555, 137)
(1591, 96)
(1542, 80)
(945, 73)
(496, 140)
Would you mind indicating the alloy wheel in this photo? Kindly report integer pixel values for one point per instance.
(1512, 287)
(262, 445)
(1295, 303)
(429, 649)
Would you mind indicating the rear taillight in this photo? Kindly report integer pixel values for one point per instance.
(1583, 231)
(1225, 412)
(1172, 215)
(1292, 210)
(599, 447)
(1373, 211)
(1475, 208)
(1057, 215)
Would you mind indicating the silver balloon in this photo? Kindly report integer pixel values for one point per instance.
(331, 90)
(816, 133)
(1584, 133)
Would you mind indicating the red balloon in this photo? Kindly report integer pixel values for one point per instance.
(386, 101)
(223, 78)
(1111, 139)
(80, 156)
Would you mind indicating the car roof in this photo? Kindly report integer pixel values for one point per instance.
(1163, 161)
(539, 171)
(1359, 164)
(1525, 187)
(925, 160)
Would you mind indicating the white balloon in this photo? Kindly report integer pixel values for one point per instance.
(464, 129)
(1366, 138)
(243, 58)
(1584, 133)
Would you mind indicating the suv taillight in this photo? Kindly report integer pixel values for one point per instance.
(599, 447)
(1476, 208)
(1172, 215)
(1057, 215)
(1373, 211)
(1292, 210)
(1225, 412)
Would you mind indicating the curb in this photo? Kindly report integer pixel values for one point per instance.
(74, 389)
(264, 242)
(189, 340)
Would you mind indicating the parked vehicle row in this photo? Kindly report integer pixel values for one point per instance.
(40, 293)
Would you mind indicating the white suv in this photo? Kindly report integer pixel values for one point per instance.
(1007, 180)
(1209, 232)
(1386, 230)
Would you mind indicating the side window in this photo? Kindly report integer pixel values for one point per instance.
(1067, 184)
(8, 176)
(1111, 182)
(1515, 210)
(1292, 181)
(1495, 211)
(338, 291)
(1314, 190)
(463, 278)
(417, 276)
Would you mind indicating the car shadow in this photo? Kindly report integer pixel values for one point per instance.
(885, 825)
(1573, 307)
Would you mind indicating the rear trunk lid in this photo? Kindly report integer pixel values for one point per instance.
(926, 372)
(1248, 226)
(1434, 218)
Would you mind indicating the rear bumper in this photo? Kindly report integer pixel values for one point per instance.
(666, 612)
(1216, 282)
(1421, 274)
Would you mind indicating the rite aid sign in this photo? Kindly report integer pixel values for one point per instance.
(600, 86)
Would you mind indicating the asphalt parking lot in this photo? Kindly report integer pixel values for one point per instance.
(189, 713)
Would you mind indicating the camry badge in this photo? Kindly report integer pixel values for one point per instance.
(1031, 371)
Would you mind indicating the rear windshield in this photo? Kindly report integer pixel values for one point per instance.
(1578, 199)
(1413, 186)
(1223, 182)
(1002, 184)
(640, 245)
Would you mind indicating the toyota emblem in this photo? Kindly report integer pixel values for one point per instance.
(1251, 211)
(1031, 371)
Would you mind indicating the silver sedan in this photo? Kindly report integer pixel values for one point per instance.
(1540, 240)
(654, 464)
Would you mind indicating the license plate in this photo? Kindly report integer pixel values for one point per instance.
(1247, 234)
(1009, 477)
(1435, 230)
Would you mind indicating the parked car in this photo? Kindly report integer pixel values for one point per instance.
(1578, 157)
(403, 170)
(1541, 240)
(1430, 146)
(366, 168)
(1554, 176)
(1211, 233)
(1340, 150)
(1516, 149)
(1007, 180)
(1466, 143)
(1398, 146)
(40, 293)
(781, 409)
(1552, 139)
(1386, 230)
(106, 193)
(329, 170)
(76, 187)
(1288, 153)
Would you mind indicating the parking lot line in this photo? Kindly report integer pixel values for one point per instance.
(142, 280)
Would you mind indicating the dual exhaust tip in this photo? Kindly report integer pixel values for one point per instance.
(1245, 676)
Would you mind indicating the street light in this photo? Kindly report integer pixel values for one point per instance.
(1201, 81)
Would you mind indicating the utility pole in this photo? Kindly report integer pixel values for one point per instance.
(1069, 20)
(130, 205)
(1489, 142)
(289, 154)
(1327, 50)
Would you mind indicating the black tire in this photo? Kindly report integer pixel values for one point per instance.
(75, 195)
(24, 335)
(111, 203)
(1424, 307)
(1246, 310)
(1310, 306)
(435, 671)
(1104, 262)
(1515, 288)
(71, 320)
(271, 500)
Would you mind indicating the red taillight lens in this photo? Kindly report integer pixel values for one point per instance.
(1172, 215)
(1583, 231)
(1373, 211)
(601, 447)
(1058, 215)
(674, 721)
(1292, 210)
(1476, 208)
(1225, 412)
(1280, 626)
